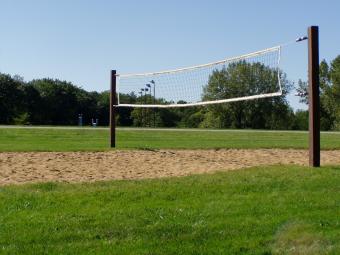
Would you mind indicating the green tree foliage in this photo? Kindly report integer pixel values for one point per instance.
(190, 117)
(329, 94)
(48, 101)
(56, 102)
(334, 93)
(11, 96)
(125, 113)
(245, 79)
(149, 117)
(140, 117)
(103, 107)
(301, 120)
(59, 101)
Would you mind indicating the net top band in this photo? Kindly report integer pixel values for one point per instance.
(245, 56)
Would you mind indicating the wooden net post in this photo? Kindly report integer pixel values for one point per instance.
(314, 97)
(113, 103)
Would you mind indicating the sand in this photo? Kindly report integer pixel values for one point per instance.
(28, 167)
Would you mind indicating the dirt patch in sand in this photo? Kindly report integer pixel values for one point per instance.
(136, 164)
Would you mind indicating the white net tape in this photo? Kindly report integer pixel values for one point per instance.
(194, 85)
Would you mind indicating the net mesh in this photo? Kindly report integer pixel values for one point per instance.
(250, 76)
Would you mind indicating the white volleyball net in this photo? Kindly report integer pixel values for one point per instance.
(247, 77)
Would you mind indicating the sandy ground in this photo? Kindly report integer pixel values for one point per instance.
(16, 168)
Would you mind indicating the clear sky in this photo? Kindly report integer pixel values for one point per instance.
(82, 40)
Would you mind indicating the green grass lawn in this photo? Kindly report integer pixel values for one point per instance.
(263, 210)
(267, 210)
(49, 139)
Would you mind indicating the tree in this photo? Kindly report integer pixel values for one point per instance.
(59, 101)
(125, 117)
(329, 94)
(103, 107)
(143, 117)
(302, 91)
(33, 104)
(334, 97)
(301, 120)
(11, 96)
(245, 79)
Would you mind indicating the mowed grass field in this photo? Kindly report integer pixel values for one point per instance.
(267, 210)
(54, 139)
(261, 210)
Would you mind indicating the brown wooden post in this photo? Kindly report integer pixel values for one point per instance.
(314, 98)
(113, 103)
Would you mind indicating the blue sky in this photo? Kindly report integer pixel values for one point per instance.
(81, 40)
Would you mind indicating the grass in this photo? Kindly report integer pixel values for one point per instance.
(50, 139)
(267, 210)
(263, 210)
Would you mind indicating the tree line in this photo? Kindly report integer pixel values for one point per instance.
(49, 102)
(329, 94)
(56, 102)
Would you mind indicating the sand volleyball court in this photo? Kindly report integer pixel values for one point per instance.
(24, 167)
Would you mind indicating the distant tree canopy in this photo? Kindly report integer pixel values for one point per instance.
(329, 94)
(47, 101)
(56, 102)
(246, 79)
(11, 97)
